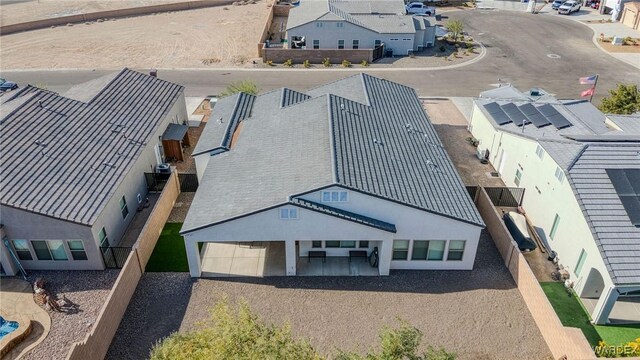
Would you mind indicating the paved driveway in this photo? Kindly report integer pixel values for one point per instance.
(479, 314)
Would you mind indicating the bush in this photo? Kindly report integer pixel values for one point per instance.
(270, 62)
(326, 62)
(246, 86)
(442, 48)
(288, 63)
(306, 64)
(346, 63)
(364, 63)
(455, 27)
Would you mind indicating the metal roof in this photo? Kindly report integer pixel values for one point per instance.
(175, 132)
(385, 147)
(65, 158)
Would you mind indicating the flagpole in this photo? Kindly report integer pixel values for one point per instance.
(594, 88)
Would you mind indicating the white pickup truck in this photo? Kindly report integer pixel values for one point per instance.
(418, 8)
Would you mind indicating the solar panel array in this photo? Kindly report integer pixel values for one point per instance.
(627, 185)
(526, 114)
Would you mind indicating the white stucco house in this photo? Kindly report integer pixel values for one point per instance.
(358, 24)
(581, 172)
(351, 165)
(73, 166)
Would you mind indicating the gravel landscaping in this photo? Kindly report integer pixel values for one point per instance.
(479, 314)
(87, 290)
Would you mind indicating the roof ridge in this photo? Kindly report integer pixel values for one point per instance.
(104, 88)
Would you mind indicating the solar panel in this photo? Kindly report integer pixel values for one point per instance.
(547, 110)
(514, 114)
(534, 115)
(496, 112)
(492, 107)
(559, 121)
(626, 184)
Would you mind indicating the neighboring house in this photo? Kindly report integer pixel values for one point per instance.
(358, 24)
(73, 165)
(581, 172)
(351, 165)
(631, 15)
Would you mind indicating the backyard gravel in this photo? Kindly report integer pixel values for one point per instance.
(479, 314)
(87, 290)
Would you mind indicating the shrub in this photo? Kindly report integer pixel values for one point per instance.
(455, 27)
(364, 63)
(326, 62)
(442, 48)
(288, 63)
(346, 63)
(270, 62)
(469, 45)
(246, 86)
(306, 64)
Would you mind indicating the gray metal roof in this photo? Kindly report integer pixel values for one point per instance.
(224, 118)
(617, 239)
(343, 214)
(387, 149)
(175, 132)
(65, 158)
(627, 123)
(381, 16)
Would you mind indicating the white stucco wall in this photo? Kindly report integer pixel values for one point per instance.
(544, 197)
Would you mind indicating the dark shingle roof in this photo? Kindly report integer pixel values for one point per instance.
(65, 158)
(343, 214)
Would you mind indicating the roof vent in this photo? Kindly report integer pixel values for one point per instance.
(376, 141)
(341, 106)
(534, 92)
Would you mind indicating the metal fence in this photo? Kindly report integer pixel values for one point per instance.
(473, 190)
(188, 182)
(115, 256)
(156, 181)
(505, 196)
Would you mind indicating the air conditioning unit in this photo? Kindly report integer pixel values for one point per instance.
(163, 168)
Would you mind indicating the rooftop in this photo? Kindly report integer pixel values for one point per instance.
(585, 148)
(63, 157)
(379, 141)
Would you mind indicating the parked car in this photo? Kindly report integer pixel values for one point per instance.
(7, 85)
(557, 3)
(517, 226)
(418, 8)
(569, 7)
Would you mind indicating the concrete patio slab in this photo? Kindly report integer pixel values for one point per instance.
(626, 310)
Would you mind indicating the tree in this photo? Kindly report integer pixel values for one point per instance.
(246, 86)
(240, 334)
(623, 100)
(455, 27)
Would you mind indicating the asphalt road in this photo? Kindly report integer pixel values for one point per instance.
(517, 48)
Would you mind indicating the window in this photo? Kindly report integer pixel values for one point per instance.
(554, 227)
(400, 249)
(436, 250)
(356, 44)
(420, 248)
(456, 250)
(580, 263)
(406, 39)
(288, 214)
(340, 24)
(332, 244)
(539, 151)
(335, 196)
(22, 249)
(377, 43)
(319, 24)
(347, 244)
(102, 236)
(340, 44)
(363, 244)
(316, 244)
(393, 39)
(49, 249)
(316, 44)
(559, 174)
(77, 250)
(518, 177)
(123, 207)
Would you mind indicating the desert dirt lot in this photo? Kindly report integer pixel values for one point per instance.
(223, 36)
(13, 12)
(478, 314)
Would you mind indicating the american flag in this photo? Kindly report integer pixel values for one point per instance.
(590, 80)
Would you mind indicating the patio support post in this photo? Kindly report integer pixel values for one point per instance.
(193, 257)
(290, 257)
(604, 305)
(385, 252)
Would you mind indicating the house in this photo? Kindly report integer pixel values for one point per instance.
(73, 166)
(581, 172)
(351, 165)
(358, 24)
(631, 15)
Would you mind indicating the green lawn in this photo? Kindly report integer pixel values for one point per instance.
(169, 253)
(572, 313)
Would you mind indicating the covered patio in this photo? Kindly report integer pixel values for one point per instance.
(625, 310)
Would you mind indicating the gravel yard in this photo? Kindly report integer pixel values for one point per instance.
(86, 289)
(479, 314)
(217, 37)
